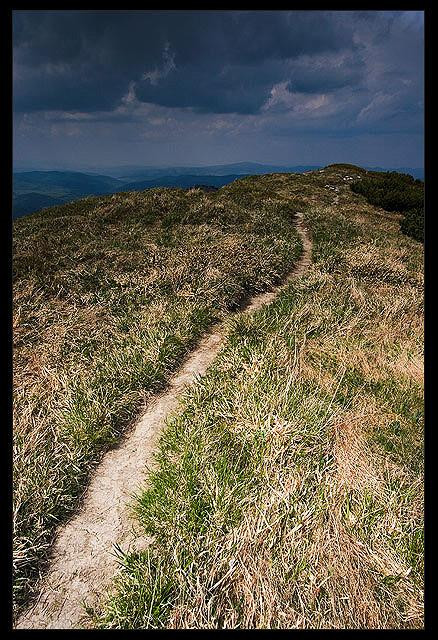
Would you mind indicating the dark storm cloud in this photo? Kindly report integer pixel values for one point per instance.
(326, 74)
(210, 61)
(218, 86)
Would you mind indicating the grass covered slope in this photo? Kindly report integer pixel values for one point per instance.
(109, 294)
(288, 488)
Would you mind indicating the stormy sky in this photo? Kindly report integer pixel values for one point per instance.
(105, 88)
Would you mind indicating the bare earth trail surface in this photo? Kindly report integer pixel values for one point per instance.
(83, 561)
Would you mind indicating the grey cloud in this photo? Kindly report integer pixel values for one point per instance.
(326, 73)
(209, 81)
(76, 59)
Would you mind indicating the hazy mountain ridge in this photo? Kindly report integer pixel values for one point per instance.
(67, 182)
(25, 203)
(47, 188)
(33, 190)
(238, 168)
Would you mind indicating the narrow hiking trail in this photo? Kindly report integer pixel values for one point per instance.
(83, 561)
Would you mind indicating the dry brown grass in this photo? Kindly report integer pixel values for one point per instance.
(247, 582)
(288, 488)
(109, 294)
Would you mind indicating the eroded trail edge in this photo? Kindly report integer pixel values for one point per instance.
(83, 562)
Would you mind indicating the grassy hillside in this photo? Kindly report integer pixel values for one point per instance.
(288, 487)
(109, 294)
(182, 181)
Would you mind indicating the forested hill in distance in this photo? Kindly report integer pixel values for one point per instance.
(34, 190)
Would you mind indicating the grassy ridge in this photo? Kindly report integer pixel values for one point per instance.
(288, 488)
(109, 294)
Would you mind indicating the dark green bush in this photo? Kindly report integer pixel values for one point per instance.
(396, 192)
(413, 223)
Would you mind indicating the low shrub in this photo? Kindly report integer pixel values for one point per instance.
(396, 192)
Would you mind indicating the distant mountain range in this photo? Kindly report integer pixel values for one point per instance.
(25, 203)
(134, 173)
(34, 190)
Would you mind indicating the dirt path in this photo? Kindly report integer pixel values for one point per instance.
(83, 561)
